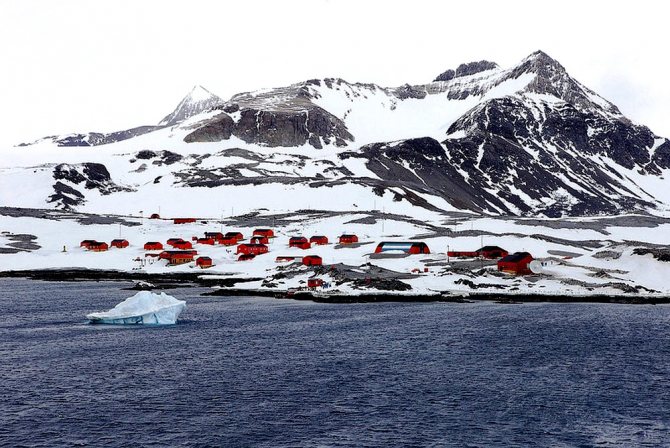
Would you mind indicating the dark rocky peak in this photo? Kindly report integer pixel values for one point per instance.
(544, 66)
(553, 79)
(467, 69)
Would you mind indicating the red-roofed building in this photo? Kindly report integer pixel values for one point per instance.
(259, 239)
(349, 238)
(204, 262)
(183, 220)
(119, 243)
(98, 246)
(312, 260)
(516, 263)
(319, 239)
(268, 233)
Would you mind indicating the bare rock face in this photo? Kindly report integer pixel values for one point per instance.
(287, 128)
(215, 130)
(406, 91)
(470, 68)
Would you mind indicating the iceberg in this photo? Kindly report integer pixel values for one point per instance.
(145, 307)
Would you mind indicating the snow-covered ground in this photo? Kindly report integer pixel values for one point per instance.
(571, 249)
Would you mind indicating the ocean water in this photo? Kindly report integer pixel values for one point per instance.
(245, 371)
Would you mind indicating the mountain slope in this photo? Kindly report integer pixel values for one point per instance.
(526, 140)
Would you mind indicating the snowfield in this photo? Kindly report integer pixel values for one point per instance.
(571, 251)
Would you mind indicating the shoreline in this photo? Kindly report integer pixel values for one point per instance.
(227, 287)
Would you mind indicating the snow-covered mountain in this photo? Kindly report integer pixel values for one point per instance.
(525, 140)
(198, 100)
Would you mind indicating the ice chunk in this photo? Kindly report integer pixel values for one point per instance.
(145, 307)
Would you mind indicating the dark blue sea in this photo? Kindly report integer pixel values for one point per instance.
(257, 372)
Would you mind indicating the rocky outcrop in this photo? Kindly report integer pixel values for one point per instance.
(65, 197)
(470, 68)
(92, 176)
(288, 128)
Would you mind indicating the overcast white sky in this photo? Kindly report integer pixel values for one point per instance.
(105, 65)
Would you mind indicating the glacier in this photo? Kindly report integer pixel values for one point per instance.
(145, 307)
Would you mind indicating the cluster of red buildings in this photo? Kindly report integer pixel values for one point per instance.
(98, 246)
(517, 263)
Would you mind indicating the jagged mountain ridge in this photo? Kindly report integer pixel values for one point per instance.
(525, 140)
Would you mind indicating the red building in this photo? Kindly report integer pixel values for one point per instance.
(173, 241)
(294, 241)
(254, 249)
(228, 241)
(319, 239)
(462, 254)
(183, 220)
(516, 263)
(268, 233)
(87, 243)
(246, 257)
(314, 282)
(300, 242)
(349, 238)
(169, 254)
(209, 241)
(153, 245)
(237, 235)
(312, 260)
(214, 235)
(155, 216)
(176, 258)
(259, 239)
(204, 262)
(119, 243)
(492, 252)
(97, 246)
(183, 245)
(489, 252)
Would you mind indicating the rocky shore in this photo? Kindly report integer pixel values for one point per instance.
(229, 287)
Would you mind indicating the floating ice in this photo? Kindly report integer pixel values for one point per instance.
(145, 307)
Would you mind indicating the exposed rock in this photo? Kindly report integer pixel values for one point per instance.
(406, 91)
(65, 196)
(657, 253)
(214, 130)
(470, 68)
